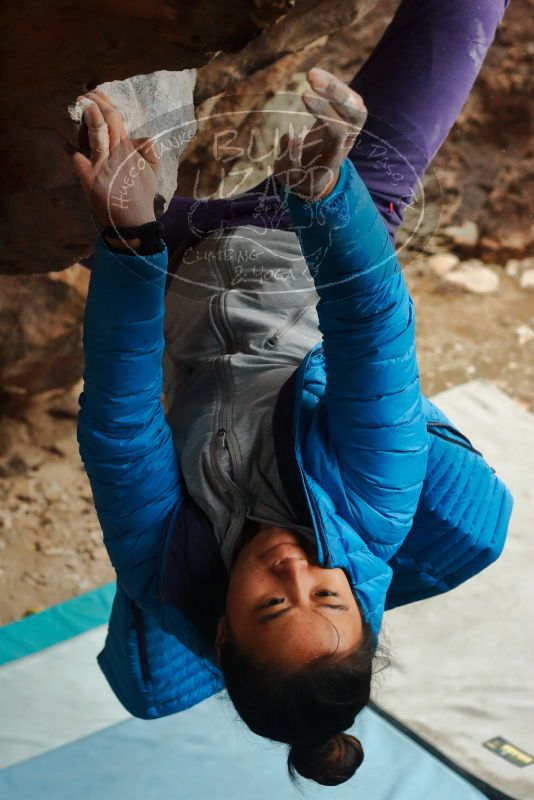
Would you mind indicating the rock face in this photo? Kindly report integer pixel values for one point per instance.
(159, 105)
(40, 331)
(144, 55)
(56, 51)
(233, 92)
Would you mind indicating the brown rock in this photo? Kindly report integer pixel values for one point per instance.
(55, 52)
(40, 331)
(99, 553)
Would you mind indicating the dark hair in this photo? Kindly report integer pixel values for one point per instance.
(307, 709)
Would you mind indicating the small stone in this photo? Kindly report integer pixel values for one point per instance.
(465, 235)
(34, 579)
(26, 494)
(6, 520)
(99, 553)
(15, 466)
(472, 276)
(516, 240)
(31, 611)
(55, 551)
(65, 446)
(51, 491)
(96, 537)
(442, 263)
(524, 334)
(512, 267)
(519, 266)
(526, 281)
(66, 407)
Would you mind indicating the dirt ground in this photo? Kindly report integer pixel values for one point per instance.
(50, 540)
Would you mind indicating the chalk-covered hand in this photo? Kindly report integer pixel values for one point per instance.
(120, 176)
(309, 165)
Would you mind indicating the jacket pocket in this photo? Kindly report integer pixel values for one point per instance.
(292, 320)
(449, 433)
(139, 627)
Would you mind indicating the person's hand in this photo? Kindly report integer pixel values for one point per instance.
(309, 165)
(120, 177)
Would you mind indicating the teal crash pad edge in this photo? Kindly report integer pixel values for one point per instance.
(56, 624)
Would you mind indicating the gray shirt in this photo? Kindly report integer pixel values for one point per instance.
(239, 317)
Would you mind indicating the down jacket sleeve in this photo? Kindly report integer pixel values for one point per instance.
(375, 423)
(124, 440)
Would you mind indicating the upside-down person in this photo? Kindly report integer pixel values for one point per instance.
(299, 483)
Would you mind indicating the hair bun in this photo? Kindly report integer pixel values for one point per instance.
(329, 764)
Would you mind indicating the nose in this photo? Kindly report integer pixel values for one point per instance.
(289, 567)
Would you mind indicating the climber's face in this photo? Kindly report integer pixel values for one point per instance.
(285, 608)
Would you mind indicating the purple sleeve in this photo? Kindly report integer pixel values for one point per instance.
(414, 84)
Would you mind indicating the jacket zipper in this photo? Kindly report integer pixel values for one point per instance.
(289, 323)
(316, 516)
(437, 424)
(167, 532)
(139, 627)
(317, 520)
(432, 425)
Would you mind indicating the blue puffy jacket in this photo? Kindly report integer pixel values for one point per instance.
(398, 496)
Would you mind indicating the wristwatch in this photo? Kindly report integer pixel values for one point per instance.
(150, 234)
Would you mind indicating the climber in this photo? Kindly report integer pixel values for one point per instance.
(298, 483)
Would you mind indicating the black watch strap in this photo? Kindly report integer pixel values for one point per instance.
(151, 235)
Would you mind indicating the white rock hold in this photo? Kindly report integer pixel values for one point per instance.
(472, 276)
(465, 235)
(524, 334)
(526, 281)
(159, 105)
(442, 263)
(516, 266)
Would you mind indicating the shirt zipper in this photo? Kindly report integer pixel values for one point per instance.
(289, 323)
(224, 438)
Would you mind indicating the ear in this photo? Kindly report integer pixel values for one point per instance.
(221, 636)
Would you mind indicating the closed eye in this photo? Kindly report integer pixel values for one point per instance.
(272, 601)
(276, 614)
(275, 601)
